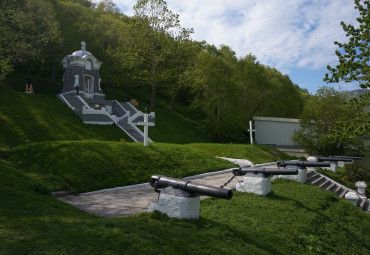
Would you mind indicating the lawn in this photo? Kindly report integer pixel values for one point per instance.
(81, 166)
(255, 153)
(294, 219)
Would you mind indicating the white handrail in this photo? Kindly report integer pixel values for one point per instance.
(66, 101)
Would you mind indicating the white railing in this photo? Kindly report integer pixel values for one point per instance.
(66, 101)
(83, 101)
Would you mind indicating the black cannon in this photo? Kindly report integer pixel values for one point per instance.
(160, 181)
(354, 157)
(302, 164)
(333, 159)
(264, 171)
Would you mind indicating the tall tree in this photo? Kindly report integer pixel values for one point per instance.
(326, 124)
(146, 46)
(354, 56)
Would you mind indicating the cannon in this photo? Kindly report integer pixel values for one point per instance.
(263, 171)
(160, 181)
(333, 159)
(257, 180)
(180, 198)
(354, 157)
(302, 164)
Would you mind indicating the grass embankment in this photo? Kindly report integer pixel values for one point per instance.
(295, 219)
(33, 118)
(255, 153)
(171, 127)
(81, 166)
(42, 117)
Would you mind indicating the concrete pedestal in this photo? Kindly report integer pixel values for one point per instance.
(300, 177)
(343, 164)
(177, 204)
(361, 187)
(257, 185)
(333, 166)
(352, 197)
(312, 159)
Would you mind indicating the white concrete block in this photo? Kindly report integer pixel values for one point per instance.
(361, 187)
(256, 185)
(182, 207)
(333, 167)
(352, 197)
(312, 159)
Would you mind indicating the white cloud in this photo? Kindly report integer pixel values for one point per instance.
(280, 33)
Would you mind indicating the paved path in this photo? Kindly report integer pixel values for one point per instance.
(129, 200)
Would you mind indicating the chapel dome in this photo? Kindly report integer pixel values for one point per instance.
(81, 53)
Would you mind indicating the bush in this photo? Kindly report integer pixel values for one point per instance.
(354, 174)
(41, 188)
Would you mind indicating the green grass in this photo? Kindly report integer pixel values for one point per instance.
(171, 127)
(81, 166)
(33, 118)
(255, 153)
(294, 219)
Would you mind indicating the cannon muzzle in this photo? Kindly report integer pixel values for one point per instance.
(302, 164)
(355, 157)
(160, 181)
(266, 171)
(333, 159)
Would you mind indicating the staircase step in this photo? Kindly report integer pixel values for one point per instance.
(344, 192)
(310, 174)
(338, 190)
(313, 177)
(362, 203)
(332, 187)
(318, 181)
(325, 184)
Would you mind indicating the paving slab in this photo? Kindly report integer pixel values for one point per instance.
(130, 200)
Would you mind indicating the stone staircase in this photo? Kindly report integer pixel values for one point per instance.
(326, 183)
(119, 110)
(74, 102)
(131, 130)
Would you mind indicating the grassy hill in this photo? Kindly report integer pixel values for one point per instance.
(42, 117)
(81, 166)
(294, 219)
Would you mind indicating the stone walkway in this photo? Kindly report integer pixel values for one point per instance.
(129, 200)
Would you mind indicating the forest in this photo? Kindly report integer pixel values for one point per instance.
(147, 53)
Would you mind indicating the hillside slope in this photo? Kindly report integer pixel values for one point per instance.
(42, 117)
(81, 166)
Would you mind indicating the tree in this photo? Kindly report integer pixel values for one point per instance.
(29, 33)
(326, 124)
(147, 44)
(354, 56)
(213, 83)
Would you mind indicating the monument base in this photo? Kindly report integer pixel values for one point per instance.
(176, 204)
(257, 185)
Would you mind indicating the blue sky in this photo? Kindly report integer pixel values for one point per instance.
(294, 36)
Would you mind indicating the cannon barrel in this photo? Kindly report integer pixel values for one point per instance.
(348, 157)
(160, 181)
(267, 171)
(302, 164)
(322, 159)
